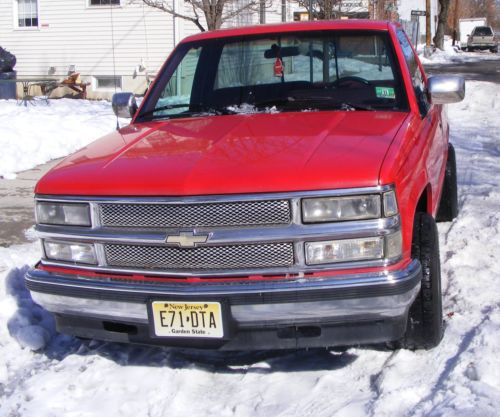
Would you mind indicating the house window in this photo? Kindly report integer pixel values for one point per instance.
(27, 13)
(108, 82)
(104, 2)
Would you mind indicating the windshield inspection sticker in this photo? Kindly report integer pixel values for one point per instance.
(385, 92)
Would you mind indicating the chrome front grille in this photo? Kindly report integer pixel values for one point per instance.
(203, 258)
(164, 215)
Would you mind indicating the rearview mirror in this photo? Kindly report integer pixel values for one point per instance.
(444, 89)
(277, 51)
(124, 105)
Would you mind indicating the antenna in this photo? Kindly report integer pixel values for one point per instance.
(113, 52)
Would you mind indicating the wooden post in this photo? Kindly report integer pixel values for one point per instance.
(455, 21)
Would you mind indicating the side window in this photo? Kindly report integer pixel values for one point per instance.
(177, 93)
(415, 73)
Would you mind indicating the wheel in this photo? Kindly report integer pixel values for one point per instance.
(350, 79)
(425, 319)
(448, 205)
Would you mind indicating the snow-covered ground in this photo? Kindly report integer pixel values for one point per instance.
(35, 134)
(461, 377)
(453, 55)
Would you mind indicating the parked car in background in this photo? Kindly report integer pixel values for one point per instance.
(482, 37)
(278, 187)
(465, 27)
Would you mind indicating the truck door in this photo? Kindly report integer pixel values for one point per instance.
(431, 135)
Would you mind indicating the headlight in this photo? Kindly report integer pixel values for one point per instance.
(350, 250)
(332, 209)
(73, 214)
(70, 252)
(346, 250)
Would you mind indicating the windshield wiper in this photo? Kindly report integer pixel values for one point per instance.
(353, 107)
(166, 107)
(274, 102)
(322, 100)
(193, 111)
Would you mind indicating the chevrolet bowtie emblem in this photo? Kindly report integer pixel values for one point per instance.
(187, 239)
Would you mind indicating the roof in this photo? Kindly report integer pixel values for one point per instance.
(354, 24)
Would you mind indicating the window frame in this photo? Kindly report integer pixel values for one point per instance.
(418, 78)
(15, 17)
(95, 83)
(214, 51)
(102, 6)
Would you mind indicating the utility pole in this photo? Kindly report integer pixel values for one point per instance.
(428, 23)
(455, 21)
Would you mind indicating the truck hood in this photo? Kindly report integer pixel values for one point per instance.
(245, 153)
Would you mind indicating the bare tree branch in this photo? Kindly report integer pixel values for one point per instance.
(216, 12)
(322, 9)
(163, 6)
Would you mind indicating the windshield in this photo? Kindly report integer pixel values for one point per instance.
(483, 31)
(333, 70)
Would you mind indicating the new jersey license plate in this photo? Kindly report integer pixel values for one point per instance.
(179, 319)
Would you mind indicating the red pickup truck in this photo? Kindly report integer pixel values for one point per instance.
(277, 188)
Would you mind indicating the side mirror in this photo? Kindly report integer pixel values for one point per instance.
(124, 105)
(444, 89)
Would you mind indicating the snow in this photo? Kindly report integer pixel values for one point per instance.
(46, 374)
(37, 133)
(454, 55)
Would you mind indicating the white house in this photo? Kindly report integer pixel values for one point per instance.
(117, 42)
(104, 44)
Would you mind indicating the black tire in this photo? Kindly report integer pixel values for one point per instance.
(448, 205)
(425, 319)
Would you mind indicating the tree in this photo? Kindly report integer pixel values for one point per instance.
(474, 8)
(215, 12)
(444, 6)
(322, 9)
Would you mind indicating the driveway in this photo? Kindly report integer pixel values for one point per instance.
(17, 206)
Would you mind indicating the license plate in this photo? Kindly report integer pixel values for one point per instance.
(178, 319)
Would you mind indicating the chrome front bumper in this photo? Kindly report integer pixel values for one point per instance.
(374, 296)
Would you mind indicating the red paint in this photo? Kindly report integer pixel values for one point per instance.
(260, 153)
(194, 280)
(231, 155)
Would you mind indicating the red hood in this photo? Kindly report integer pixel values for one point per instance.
(230, 154)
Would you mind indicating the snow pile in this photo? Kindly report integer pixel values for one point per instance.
(245, 108)
(454, 55)
(458, 378)
(440, 56)
(35, 134)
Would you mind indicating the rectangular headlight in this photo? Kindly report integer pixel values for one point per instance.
(332, 209)
(74, 214)
(70, 252)
(346, 250)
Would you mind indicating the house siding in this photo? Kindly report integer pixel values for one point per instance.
(72, 33)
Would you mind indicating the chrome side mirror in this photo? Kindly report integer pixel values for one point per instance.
(124, 105)
(444, 89)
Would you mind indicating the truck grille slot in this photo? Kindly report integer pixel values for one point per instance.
(203, 258)
(245, 213)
